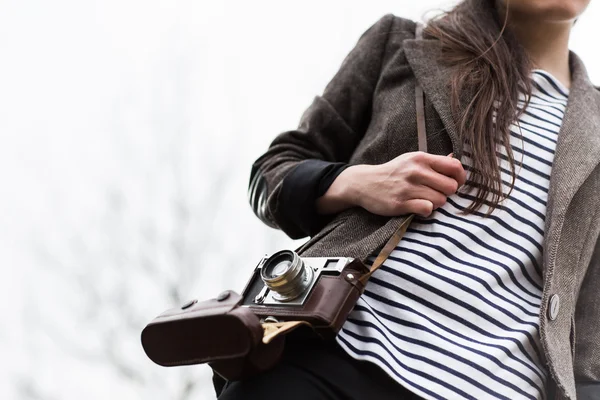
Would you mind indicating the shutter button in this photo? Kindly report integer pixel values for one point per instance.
(223, 296)
(189, 304)
(553, 307)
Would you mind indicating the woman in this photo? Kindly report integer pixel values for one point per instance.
(493, 291)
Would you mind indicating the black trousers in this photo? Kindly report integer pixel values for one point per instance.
(315, 369)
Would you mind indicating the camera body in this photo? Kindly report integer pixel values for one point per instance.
(286, 280)
(318, 290)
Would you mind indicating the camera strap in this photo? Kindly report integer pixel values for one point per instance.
(422, 134)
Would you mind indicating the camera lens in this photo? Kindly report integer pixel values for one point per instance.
(280, 269)
(286, 275)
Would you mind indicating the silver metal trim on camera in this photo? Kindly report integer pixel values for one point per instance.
(288, 278)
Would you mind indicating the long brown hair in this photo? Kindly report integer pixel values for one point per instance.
(489, 66)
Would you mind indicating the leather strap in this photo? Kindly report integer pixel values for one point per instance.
(422, 133)
(388, 248)
(420, 103)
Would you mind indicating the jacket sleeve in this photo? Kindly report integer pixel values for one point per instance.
(300, 164)
(587, 333)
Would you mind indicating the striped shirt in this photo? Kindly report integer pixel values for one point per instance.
(454, 311)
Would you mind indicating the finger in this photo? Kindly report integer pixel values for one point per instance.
(451, 167)
(420, 207)
(437, 181)
(438, 199)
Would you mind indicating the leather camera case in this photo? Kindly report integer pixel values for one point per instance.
(229, 336)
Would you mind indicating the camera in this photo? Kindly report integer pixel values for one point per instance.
(286, 279)
(238, 334)
(318, 290)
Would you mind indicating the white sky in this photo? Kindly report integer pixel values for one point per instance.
(100, 96)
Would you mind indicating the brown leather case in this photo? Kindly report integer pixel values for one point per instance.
(216, 329)
(230, 337)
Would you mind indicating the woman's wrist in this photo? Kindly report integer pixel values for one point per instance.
(343, 192)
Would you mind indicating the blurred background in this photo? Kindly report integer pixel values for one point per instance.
(127, 132)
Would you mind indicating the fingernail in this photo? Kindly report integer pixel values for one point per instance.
(451, 155)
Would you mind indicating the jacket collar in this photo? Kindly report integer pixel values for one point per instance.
(577, 151)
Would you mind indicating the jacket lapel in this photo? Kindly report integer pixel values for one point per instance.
(576, 156)
(434, 78)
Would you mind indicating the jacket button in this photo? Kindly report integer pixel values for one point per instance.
(553, 307)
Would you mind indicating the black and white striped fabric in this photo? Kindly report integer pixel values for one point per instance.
(454, 311)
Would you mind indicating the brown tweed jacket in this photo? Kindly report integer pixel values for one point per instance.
(366, 115)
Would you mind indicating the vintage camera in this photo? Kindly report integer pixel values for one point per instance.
(232, 332)
(320, 291)
(285, 279)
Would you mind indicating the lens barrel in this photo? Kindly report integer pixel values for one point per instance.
(286, 275)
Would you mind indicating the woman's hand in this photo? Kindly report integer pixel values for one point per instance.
(415, 182)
